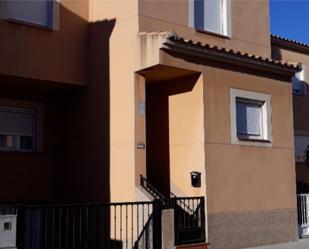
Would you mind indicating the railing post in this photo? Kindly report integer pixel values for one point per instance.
(173, 206)
(203, 218)
(20, 229)
(157, 229)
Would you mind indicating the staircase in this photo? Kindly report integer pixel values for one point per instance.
(156, 194)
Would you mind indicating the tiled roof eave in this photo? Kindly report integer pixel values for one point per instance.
(236, 58)
(290, 44)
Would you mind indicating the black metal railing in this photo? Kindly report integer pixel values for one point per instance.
(189, 220)
(302, 208)
(81, 226)
(155, 193)
(146, 236)
(8, 209)
(189, 214)
(182, 202)
(129, 225)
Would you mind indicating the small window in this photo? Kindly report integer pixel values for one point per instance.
(301, 142)
(7, 226)
(38, 12)
(250, 117)
(17, 129)
(299, 82)
(210, 15)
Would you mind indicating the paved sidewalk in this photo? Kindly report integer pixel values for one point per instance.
(300, 244)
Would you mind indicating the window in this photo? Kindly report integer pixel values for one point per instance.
(17, 129)
(250, 117)
(301, 141)
(210, 15)
(38, 12)
(299, 82)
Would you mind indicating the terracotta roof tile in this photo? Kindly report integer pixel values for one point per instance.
(283, 39)
(180, 42)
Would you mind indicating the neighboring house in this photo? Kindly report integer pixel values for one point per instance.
(291, 50)
(49, 105)
(286, 49)
(54, 132)
(130, 101)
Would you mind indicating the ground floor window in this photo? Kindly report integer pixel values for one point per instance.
(301, 145)
(17, 129)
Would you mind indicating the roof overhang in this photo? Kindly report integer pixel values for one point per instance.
(289, 44)
(229, 56)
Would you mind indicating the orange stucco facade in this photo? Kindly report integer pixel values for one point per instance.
(249, 27)
(119, 103)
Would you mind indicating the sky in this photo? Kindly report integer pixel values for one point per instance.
(290, 19)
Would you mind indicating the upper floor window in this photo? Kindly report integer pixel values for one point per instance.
(301, 142)
(211, 15)
(38, 12)
(17, 129)
(250, 118)
(299, 82)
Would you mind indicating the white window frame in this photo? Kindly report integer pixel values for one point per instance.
(16, 137)
(54, 18)
(299, 86)
(226, 17)
(265, 138)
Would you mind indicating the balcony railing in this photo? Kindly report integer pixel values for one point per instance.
(303, 214)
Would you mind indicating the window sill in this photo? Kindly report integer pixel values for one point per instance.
(16, 151)
(213, 34)
(30, 24)
(254, 140)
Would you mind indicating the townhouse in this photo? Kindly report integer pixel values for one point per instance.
(133, 102)
(205, 97)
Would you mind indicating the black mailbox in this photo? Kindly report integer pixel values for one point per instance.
(195, 179)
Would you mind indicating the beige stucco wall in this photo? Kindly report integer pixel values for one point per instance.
(124, 60)
(186, 136)
(238, 177)
(247, 178)
(249, 19)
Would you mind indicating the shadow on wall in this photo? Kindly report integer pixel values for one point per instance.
(68, 71)
(157, 121)
(46, 54)
(276, 53)
(88, 160)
